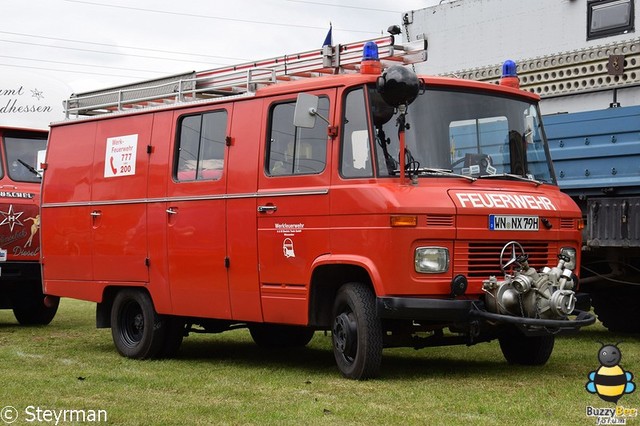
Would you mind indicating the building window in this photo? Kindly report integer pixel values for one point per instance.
(201, 146)
(295, 150)
(609, 17)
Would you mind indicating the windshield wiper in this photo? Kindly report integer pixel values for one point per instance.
(509, 175)
(30, 168)
(442, 172)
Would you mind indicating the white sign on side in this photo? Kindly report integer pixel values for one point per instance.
(120, 156)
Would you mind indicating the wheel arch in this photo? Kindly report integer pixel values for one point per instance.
(103, 308)
(329, 274)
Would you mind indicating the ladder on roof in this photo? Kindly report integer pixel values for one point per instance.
(244, 78)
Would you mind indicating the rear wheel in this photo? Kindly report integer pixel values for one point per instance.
(357, 332)
(280, 336)
(137, 330)
(30, 308)
(524, 350)
(618, 309)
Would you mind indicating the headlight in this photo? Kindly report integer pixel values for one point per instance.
(431, 260)
(571, 253)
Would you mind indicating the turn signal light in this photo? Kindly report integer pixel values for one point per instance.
(399, 221)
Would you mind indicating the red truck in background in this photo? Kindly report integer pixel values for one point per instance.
(328, 190)
(21, 153)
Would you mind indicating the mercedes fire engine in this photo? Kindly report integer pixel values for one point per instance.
(331, 190)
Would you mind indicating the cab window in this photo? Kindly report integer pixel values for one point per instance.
(293, 150)
(201, 146)
(24, 154)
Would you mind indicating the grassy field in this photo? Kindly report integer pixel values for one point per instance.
(226, 379)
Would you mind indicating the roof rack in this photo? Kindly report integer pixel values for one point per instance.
(244, 78)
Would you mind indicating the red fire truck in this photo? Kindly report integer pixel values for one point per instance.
(22, 152)
(328, 190)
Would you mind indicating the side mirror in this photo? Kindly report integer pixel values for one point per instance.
(40, 161)
(306, 111)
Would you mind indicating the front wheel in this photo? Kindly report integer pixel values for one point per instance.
(523, 350)
(357, 332)
(137, 330)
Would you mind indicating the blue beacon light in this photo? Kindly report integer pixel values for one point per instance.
(370, 59)
(370, 52)
(509, 74)
(509, 68)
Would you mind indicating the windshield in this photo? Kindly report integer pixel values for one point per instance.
(24, 154)
(474, 134)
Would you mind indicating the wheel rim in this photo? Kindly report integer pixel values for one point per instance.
(132, 324)
(345, 336)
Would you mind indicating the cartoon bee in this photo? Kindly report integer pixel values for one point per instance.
(610, 381)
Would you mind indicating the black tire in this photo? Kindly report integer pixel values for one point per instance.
(137, 330)
(524, 350)
(357, 332)
(29, 308)
(618, 309)
(280, 336)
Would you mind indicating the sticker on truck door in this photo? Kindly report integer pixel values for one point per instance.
(287, 248)
(120, 156)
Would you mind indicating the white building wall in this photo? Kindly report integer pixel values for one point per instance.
(470, 34)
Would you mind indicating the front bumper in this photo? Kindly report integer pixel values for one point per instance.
(464, 311)
(13, 272)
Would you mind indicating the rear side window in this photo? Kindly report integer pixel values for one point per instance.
(292, 150)
(201, 146)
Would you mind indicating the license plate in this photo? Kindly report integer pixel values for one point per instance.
(513, 223)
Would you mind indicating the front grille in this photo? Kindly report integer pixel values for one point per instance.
(482, 259)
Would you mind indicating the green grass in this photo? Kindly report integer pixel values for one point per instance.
(226, 379)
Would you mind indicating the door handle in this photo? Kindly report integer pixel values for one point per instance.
(96, 219)
(267, 209)
(172, 210)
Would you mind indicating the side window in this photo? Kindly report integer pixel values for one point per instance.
(355, 157)
(201, 146)
(293, 150)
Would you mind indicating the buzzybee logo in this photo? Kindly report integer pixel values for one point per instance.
(610, 382)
